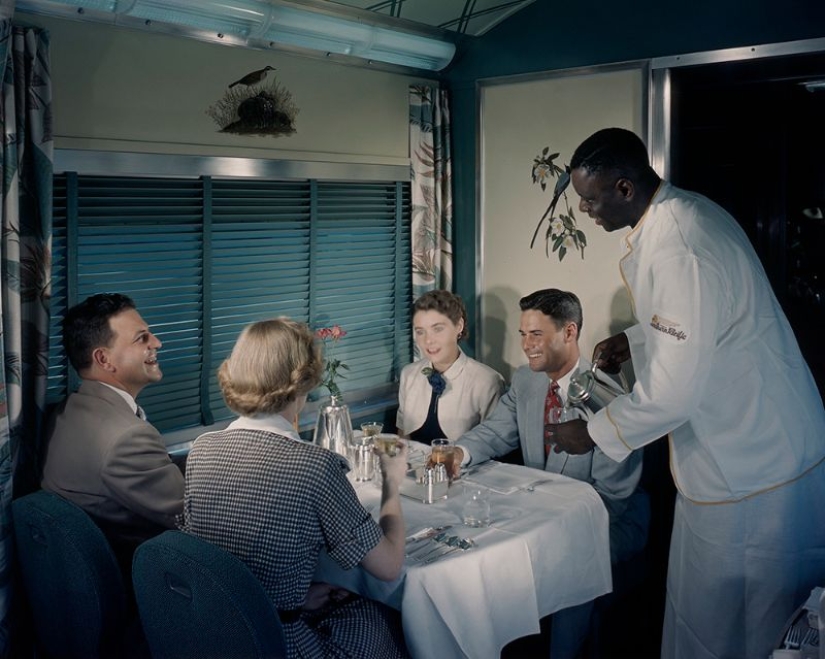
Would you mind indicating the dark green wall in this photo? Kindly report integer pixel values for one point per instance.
(551, 35)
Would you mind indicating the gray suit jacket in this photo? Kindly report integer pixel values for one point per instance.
(518, 420)
(113, 465)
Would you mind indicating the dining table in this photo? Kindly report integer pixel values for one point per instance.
(468, 591)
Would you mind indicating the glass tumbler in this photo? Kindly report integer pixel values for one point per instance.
(476, 510)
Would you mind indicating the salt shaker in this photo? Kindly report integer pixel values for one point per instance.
(435, 483)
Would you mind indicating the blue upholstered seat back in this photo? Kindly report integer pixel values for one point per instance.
(71, 577)
(197, 600)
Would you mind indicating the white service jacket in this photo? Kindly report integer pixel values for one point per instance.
(717, 365)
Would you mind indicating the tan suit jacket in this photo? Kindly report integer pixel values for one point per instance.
(112, 464)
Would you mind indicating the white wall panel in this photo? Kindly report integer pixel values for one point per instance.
(518, 120)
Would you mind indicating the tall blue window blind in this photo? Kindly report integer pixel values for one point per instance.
(204, 257)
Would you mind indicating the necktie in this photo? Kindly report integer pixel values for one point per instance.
(552, 411)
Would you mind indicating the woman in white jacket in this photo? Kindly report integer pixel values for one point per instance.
(445, 393)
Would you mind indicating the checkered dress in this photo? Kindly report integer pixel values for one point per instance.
(275, 502)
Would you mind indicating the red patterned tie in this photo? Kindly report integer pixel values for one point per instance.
(552, 411)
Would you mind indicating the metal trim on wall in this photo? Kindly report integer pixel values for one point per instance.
(743, 53)
(173, 165)
(659, 111)
(659, 137)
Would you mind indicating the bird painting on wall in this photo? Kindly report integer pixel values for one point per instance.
(253, 78)
(256, 104)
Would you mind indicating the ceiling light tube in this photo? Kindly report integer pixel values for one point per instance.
(267, 20)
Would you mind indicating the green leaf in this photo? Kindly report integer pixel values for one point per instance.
(562, 253)
(581, 238)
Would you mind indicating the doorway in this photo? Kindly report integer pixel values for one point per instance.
(751, 136)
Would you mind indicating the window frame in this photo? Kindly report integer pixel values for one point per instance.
(367, 402)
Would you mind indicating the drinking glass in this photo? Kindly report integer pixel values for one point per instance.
(372, 428)
(387, 443)
(362, 457)
(476, 510)
(443, 452)
(566, 413)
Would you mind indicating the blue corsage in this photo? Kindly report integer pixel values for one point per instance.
(436, 380)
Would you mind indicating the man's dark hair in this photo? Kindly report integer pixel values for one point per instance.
(613, 150)
(86, 326)
(561, 307)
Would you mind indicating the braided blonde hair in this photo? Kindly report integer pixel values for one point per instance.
(273, 362)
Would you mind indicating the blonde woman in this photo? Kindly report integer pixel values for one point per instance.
(446, 393)
(257, 490)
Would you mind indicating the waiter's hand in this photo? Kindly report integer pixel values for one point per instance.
(570, 437)
(609, 354)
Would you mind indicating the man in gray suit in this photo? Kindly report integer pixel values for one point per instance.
(102, 454)
(551, 321)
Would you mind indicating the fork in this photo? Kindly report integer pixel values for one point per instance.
(428, 546)
(793, 639)
(811, 638)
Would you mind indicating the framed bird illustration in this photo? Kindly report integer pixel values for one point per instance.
(252, 78)
(255, 104)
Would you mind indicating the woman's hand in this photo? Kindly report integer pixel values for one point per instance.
(394, 467)
(321, 594)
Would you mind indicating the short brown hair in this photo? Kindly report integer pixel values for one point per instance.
(273, 362)
(446, 303)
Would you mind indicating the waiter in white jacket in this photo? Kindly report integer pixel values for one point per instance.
(719, 371)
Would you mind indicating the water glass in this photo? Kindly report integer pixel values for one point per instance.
(565, 414)
(476, 510)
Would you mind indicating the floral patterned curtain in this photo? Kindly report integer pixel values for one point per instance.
(25, 262)
(432, 197)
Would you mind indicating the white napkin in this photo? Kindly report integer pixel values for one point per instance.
(500, 479)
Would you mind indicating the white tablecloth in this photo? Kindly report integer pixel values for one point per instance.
(544, 550)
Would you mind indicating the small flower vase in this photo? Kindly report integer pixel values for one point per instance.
(333, 429)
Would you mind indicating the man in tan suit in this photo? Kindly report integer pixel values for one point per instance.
(102, 455)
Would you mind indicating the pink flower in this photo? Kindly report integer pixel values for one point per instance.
(333, 366)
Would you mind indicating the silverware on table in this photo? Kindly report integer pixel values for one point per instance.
(793, 639)
(427, 533)
(459, 544)
(444, 547)
(531, 487)
(426, 547)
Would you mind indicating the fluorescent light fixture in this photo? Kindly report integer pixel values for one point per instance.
(814, 85)
(260, 23)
